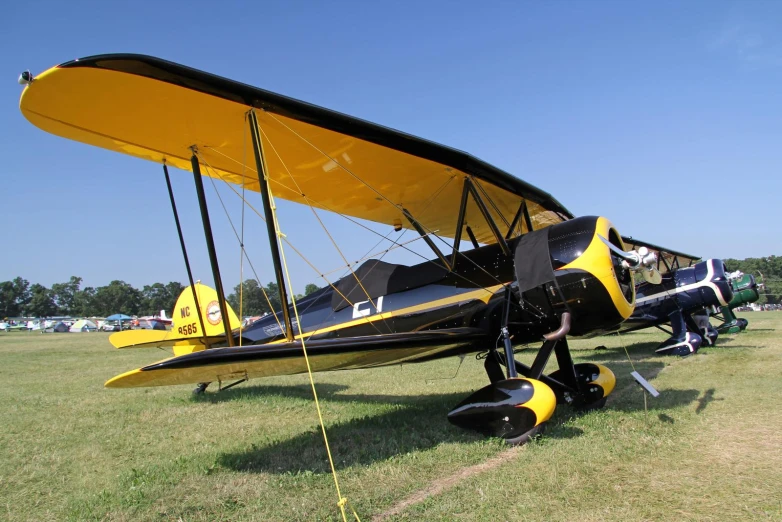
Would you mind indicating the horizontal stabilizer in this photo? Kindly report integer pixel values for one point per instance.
(159, 339)
(229, 364)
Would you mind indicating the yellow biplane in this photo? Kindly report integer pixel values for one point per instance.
(529, 273)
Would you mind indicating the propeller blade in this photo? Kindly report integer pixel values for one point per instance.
(652, 276)
(634, 260)
(627, 256)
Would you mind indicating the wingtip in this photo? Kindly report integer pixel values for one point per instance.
(115, 340)
(124, 380)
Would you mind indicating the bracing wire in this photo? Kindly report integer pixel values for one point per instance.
(342, 501)
(310, 202)
(355, 222)
(369, 186)
(208, 168)
(325, 229)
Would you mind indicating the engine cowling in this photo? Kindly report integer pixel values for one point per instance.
(568, 268)
(745, 290)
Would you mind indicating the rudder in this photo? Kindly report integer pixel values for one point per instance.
(185, 322)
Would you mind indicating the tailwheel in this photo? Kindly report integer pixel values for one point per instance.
(201, 388)
(514, 409)
(595, 384)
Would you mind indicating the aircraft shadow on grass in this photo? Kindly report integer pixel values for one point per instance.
(646, 350)
(637, 352)
(417, 423)
(705, 399)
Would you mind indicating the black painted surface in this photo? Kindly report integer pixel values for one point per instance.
(497, 409)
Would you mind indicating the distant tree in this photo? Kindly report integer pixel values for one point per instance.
(14, 297)
(273, 293)
(84, 303)
(154, 298)
(254, 302)
(41, 302)
(248, 298)
(157, 297)
(64, 295)
(22, 290)
(174, 289)
(770, 267)
(8, 306)
(116, 297)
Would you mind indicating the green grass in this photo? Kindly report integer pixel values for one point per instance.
(710, 448)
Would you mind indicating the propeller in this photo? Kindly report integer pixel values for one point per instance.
(652, 275)
(641, 259)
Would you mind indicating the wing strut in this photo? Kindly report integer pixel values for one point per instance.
(260, 167)
(519, 212)
(473, 239)
(210, 245)
(460, 224)
(427, 239)
(487, 216)
(184, 255)
(469, 190)
(527, 218)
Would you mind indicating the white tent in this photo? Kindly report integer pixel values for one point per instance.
(34, 325)
(83, 325)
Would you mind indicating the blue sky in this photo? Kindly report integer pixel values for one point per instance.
(665, 117)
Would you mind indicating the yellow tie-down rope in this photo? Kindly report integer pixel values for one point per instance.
(343, 501)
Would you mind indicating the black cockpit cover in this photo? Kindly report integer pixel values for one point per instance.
(532, 260)
(379, 278)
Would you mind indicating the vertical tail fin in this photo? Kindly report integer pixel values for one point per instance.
(186, 333)
(186, 322)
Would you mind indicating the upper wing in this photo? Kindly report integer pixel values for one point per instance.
(247, 362)
(667, 259)
(161, 111)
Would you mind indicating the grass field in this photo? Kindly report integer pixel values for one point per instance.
(709, 448)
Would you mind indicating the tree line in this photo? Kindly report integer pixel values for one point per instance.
(770, 267)
(19, 298)
(256, 299)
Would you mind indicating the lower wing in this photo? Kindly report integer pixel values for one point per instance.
(266, 360)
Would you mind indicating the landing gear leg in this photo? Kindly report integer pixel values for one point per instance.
(682, 342)
(513, 408)
(699, 323)
(492, 367)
